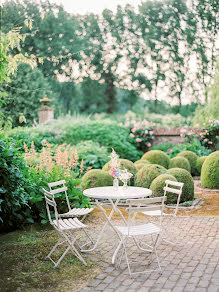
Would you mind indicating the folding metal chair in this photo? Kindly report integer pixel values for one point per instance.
(176, 189)
(66, 229)
(72, 212)
(135, 232)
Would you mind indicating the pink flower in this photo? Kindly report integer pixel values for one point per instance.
(209, 142)
(133, 130)
(169, 150)
(189, 134)
(138, 140)
(149, 144)
(182, 131)
(205, 140)
(146, 131)
(151, 132)
(120, 124)
(131, 135)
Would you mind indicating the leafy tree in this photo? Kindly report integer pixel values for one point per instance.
(211, 109)
(24, 92)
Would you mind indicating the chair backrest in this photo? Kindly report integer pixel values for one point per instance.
(50, 203)
(144, 205)
(60, 189)
(175, 188)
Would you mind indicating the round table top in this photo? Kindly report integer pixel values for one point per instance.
(120, 193)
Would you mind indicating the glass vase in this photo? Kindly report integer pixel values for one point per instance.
(116, 183)
(125, 185)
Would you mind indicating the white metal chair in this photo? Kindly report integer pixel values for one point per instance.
(136, 232)
(66, 229)
(72, 212)
(176, 189)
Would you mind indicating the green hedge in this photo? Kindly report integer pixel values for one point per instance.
(147, 174)
(108, 134)
(210, 171)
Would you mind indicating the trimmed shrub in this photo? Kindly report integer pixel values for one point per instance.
(199, 163)
(210, 171)
(124, 163)
(192, 157)
(180, 162)
(147, 174)
(158, 184)
(184, 176)
(96, 178)
(142, 161)
(140, 165)
(157, 157)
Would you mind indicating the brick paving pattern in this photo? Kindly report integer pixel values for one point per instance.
(191, 265)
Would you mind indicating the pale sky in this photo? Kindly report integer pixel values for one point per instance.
(95, 6)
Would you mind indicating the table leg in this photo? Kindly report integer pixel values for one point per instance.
(108, 218)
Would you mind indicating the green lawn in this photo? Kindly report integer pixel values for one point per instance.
(23, 266)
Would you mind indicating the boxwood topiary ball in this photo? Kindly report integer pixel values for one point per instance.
(140, 165)
(157, 157)
(180, 162)
(158, 184)
(199, 163)
(124, 163)
(192, 157)
(210, 171)
(184, 176)
(147, 174)
(96, 178)
(142, 161)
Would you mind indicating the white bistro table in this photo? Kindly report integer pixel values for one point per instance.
(112, 197)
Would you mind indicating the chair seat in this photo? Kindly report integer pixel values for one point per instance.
(69, 224)
(138, 229)
(77, 212)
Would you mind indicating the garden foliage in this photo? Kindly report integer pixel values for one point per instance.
(15, 187)
(210, 171)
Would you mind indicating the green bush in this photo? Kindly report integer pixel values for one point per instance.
(106, 133)
(124, 163)
(192, 158)
(139, 165)
(180, 162)
(163, 147)
(199, 163)
(184, 176)
(194, 146)
(210, 171)
(93, 154)
(15, 186)
(157, 157)
(96, 178)
(147, 174)
(141, 161)
(158, 184)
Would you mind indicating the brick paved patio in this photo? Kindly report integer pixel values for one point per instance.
(192, 265)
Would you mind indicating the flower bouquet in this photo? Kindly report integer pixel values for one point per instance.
(124, 176)
(114, 168)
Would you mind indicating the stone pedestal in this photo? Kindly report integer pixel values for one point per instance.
(46, 114)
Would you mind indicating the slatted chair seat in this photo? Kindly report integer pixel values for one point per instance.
(76, 212)
(69, 224)
(143, 229)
